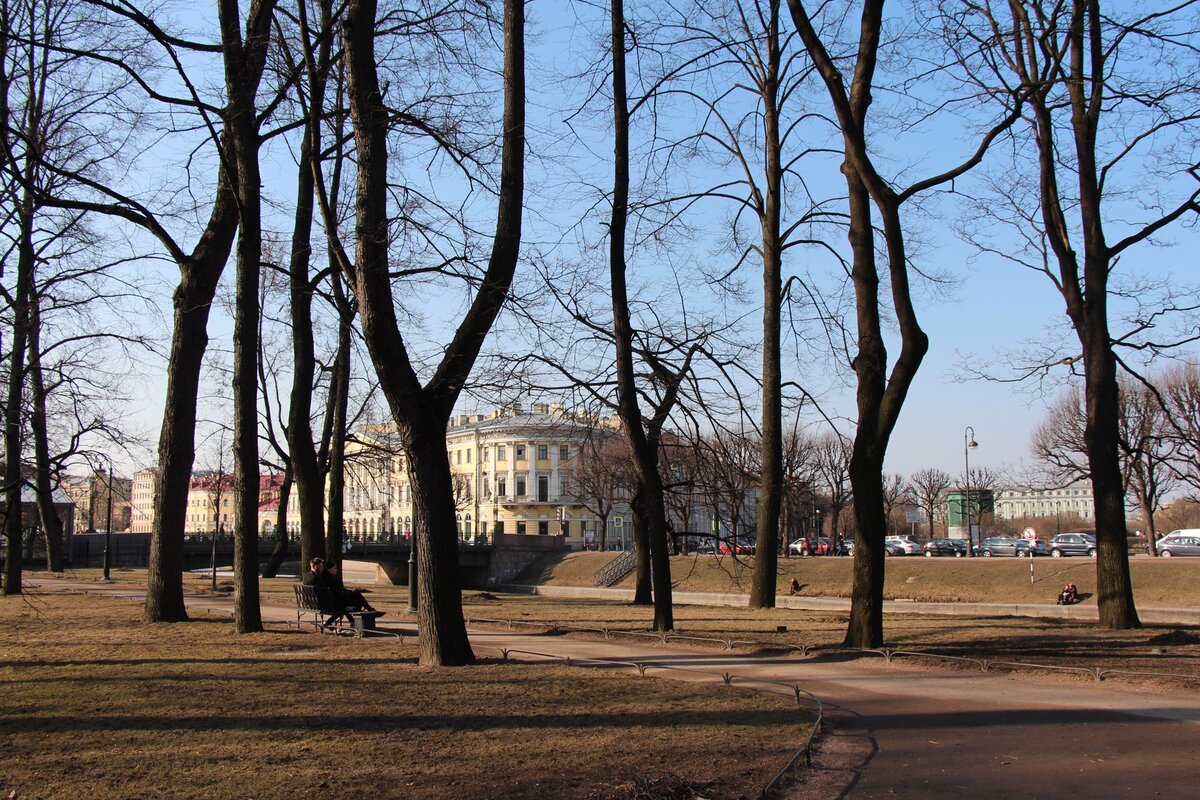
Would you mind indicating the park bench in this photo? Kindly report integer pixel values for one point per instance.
(317, 602)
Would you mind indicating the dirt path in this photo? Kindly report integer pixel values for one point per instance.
(896, 731)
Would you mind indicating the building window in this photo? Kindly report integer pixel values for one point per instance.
(520, 452)
(563, 452)
(520, 486)
(501, 452)
(521, 528)
(543, 451)
(499, 527)
(487, 454)
(458, 456)
(468, 456)
(501, 487)
(543, 489)
(543, 528)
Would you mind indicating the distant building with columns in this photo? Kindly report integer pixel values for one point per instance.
(510, 469)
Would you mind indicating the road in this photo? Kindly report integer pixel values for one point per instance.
(900, 731)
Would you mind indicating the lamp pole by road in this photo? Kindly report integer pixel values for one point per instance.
(969, 444)
(108, 524)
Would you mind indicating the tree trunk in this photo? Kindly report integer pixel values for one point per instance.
(52, 526)
(865, 628)
(422, 413)
(770, 493)
(439, 607)
(13, 479)
(1114, 590)
(279, 552)
(643, 592)
(650, 532)
(244, 60)
(302, 452)
(335, 531)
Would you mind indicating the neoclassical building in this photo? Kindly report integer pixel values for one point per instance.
(1019, 503)
(511, 470)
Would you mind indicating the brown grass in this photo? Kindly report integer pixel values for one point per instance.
(1041, 641)
(94, 703)
(1173, 583)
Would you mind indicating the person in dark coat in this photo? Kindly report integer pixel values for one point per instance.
(348, 597)
(331, 603)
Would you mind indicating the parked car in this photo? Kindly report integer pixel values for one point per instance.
(1003, 546)
(1073, 544)
(945, 547)
(737, 547)
(899, 546)
(820, 545)
(843, 547)
(1175, 544)
(1039, 547)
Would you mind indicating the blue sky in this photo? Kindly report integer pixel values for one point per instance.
(992, 310)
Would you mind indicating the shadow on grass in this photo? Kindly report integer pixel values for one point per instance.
(398, 722)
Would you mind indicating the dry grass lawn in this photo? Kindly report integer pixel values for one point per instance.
(94, 703)
(1172, 583)
(1039, 641)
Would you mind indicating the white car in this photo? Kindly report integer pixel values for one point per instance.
(907, 546)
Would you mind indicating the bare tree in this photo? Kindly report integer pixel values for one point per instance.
(421, 412)
(601, 479)
(1148, 451)
(895, 494)
(881, 390)
(1111, 113)
(831, 454)
(928, 488)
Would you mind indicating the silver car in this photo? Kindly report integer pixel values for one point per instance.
(1179, 545)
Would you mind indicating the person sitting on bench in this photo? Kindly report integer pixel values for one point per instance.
(351, 598)
(318, 578)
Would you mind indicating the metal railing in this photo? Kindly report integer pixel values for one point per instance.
(616, 569)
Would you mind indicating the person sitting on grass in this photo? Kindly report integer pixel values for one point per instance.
(351, 598)
(1069, 595)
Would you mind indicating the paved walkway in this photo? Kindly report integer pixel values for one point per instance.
(897, 731)
(1085, 611)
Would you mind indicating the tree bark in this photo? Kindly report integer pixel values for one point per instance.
(770, 493)
(244, 62)
(280, 551)
(421, 413)
(13, 479)
(643, 447)
(52, 526)
(335, 531)
(302, 451)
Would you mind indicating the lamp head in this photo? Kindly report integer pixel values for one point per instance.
(973, 444)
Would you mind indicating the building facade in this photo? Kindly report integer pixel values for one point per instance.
(511, 473)
(1030, 502)
(141, 496)
(89, 494)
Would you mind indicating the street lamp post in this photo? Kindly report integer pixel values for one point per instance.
(108, 524)
(969, 444)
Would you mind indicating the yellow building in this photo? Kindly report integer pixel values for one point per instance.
(511, 473)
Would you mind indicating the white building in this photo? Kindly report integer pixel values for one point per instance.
(511, 473)
(1029, 502)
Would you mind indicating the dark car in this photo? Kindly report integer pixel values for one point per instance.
(945, 547)
(1179, 545)
(843, 547)
(1073, 544)
(1039, 547)
(1003, 546)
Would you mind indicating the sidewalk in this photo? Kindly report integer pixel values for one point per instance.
(896, 731)
(1086, 612)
